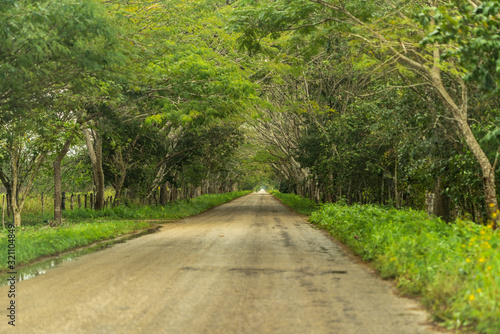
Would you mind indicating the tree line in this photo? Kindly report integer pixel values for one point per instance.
(392, 102)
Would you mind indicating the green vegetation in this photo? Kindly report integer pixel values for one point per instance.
(454, 268)
(379, 102)
(33, 242)
(298, 203)
(393, 103)
(171, 210)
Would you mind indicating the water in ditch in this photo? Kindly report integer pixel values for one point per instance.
(41, 267)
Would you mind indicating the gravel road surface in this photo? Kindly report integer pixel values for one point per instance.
(249, 266)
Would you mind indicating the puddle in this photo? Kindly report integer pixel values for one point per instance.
(39, 268)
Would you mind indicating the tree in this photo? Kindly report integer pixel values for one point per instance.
(47, 50)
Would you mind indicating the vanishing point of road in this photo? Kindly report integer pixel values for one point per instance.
(248, 266)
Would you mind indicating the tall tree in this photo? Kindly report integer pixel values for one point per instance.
(47, 49)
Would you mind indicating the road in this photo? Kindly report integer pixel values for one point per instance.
(249, 266)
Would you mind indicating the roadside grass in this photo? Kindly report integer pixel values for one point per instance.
(37, 239)
(33, 242)
(173, 210)
(298, 203)
(454, 269)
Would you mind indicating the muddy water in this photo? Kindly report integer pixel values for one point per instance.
(41, 267)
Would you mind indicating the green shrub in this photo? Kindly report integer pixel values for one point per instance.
(173, 210)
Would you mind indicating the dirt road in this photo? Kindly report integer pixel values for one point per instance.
(249, 266)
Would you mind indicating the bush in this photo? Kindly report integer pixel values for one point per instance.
(173, 210)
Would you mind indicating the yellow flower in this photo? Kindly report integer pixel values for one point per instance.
(491, 205)
(463, 246)
(482, 232)
(482, 259)
(494, 215)
(472, 297)
(488, 268)
(467, 260)
(479, 290)
(393, 259)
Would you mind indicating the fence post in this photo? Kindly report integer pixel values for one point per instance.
(71, 201)
(3, 211)
(79, 202)
(91, 200)
(63, 201)
(85, 200)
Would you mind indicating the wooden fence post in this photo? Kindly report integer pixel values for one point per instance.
(85, 200)
(79, 202)
(71, 201)
(3, 211)
(63, 201)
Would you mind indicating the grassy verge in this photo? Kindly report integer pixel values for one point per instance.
(299, 204)
(38, 240)
(453, 268)
(174, 210)
(33, 242)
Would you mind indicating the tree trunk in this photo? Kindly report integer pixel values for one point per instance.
(460, 116)
(56, 165)
(16, 210)
(488, 173)
(441, 201)
(95, 155)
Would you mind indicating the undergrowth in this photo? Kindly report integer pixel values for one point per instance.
(298, 203)
(172, 210)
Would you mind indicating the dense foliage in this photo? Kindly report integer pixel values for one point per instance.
(139, 105)
(143, 97)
